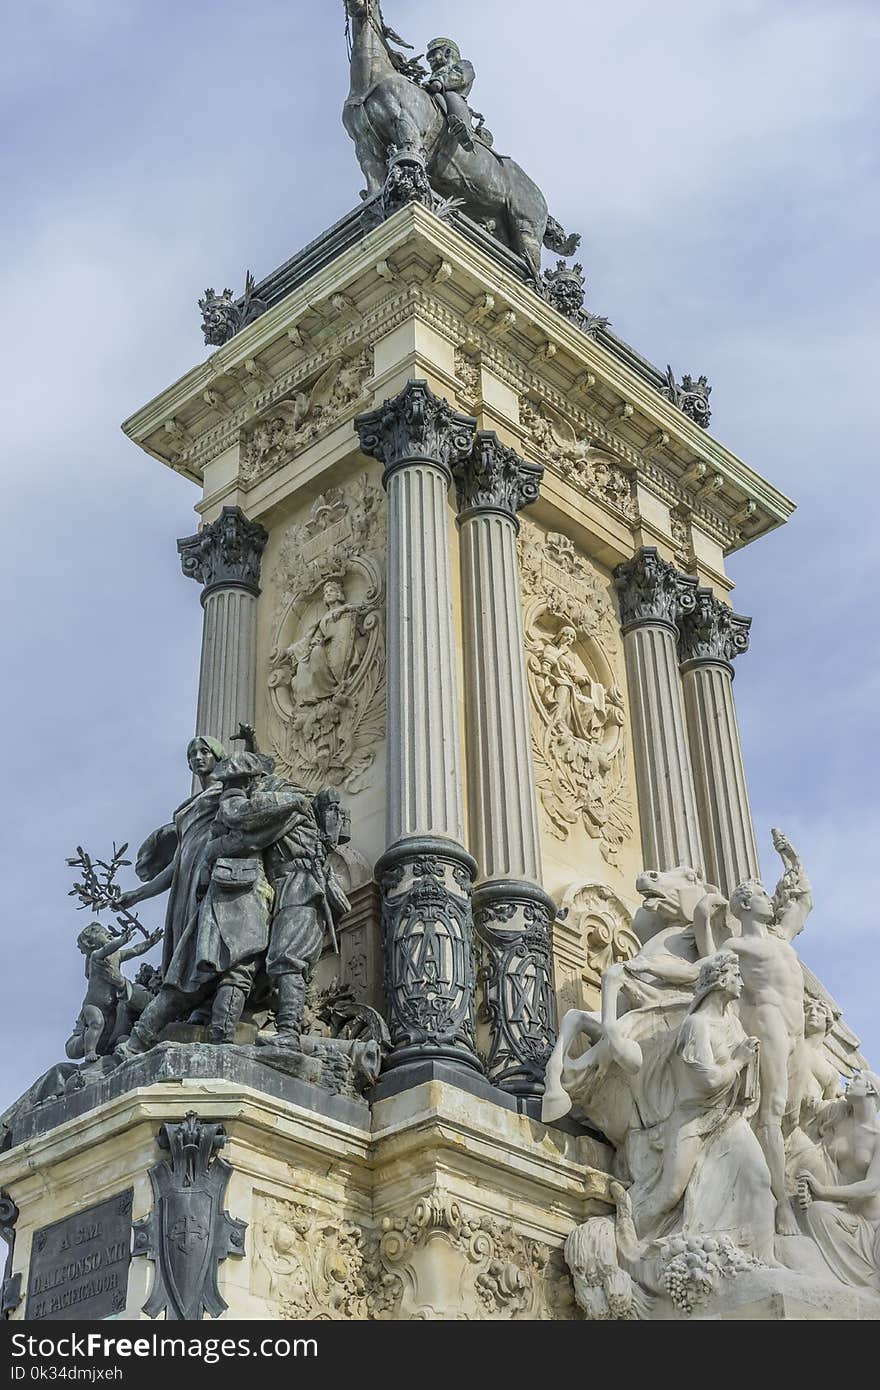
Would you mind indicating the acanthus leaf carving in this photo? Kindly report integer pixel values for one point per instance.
(494, 478)
(416, 424)
(577, 703)
(327, 665)
(711, 631)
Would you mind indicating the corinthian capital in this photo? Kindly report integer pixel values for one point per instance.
(493, 478)
(711, 631)
(652, 590)
(226, 554)
(416, 427)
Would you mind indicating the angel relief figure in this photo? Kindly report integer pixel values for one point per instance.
(580, 728)
(294, 423)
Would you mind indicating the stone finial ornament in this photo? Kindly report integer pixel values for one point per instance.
(711, 631)
(689, 396)
(226, 553)
(223, 316)
(416, 425)
(565, 289)
(188, 1233)
(651, 590)
(494, 478)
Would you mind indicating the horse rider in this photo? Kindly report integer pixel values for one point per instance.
(450, 83)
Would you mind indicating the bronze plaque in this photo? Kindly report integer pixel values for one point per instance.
(79, 1266)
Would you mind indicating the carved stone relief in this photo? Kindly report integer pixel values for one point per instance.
(682, 541)
(316, 406)
(604, 925)
(577, 705)
(307, 1265)
(467, 369)
(327, 664)
(439, 1263)
(592, 470)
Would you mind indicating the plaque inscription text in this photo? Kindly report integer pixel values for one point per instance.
(79, 1266)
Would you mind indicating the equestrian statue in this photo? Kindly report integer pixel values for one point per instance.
(402, 117)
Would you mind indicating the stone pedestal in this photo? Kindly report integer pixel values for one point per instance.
(653, 596)
(343, 1213)
(711, 636)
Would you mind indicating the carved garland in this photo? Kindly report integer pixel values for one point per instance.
(327, 664)
(578, 716)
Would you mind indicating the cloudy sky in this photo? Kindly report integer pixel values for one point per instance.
(719, 157)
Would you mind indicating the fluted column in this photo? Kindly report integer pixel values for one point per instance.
(425, 874)
(513, 914)
(653, 597)
(711, 635)
(225, 557)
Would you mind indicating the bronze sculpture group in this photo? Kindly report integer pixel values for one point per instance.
(251, 896)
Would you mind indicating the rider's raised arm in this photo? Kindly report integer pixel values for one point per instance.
(793, 898)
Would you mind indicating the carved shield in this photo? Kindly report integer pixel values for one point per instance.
(187, 1224)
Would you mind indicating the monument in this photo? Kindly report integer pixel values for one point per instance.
(471, 1002)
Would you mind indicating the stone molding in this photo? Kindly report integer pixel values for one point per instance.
(225, 554)
(412, 234)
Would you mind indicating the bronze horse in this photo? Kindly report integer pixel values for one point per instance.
(388, 114)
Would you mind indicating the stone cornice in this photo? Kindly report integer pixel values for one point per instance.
(388, 274)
